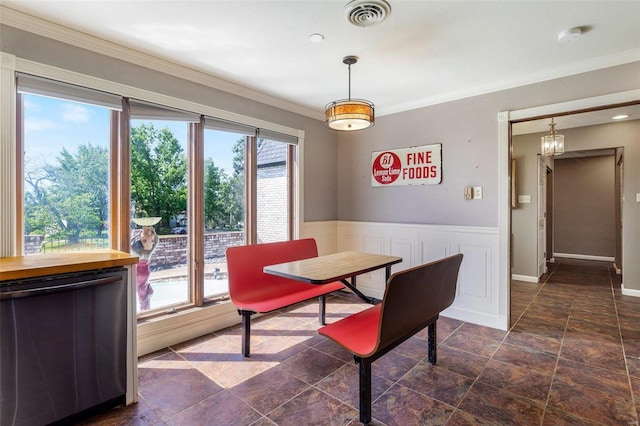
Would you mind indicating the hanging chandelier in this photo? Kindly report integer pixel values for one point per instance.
(349, 114)
(553, 143)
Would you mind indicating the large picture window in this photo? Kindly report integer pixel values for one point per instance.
(159, 195)
(224, 199)
(174, 187)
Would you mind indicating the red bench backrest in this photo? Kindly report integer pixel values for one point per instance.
(245, 263)
(416, 295)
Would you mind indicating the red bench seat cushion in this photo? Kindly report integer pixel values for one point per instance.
(253, 290)
(267, 298)
(358, 333)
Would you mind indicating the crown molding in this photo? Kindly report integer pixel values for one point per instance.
(86, 41)
(550, 74)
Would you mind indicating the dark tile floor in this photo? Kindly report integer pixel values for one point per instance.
(572, 357)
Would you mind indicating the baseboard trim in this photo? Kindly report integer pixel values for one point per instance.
(525, 278)
(584, 257)
(630, 291)
(474, 317)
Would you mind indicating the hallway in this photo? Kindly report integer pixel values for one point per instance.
(572, 357)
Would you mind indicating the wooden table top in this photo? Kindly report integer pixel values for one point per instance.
(332, 267)
(38, 265)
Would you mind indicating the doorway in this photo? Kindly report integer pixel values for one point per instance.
(528, 117)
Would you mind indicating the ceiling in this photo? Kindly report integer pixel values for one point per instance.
(424, 53)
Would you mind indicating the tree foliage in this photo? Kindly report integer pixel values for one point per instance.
(224, 195)
(158, 173)
(69, 198)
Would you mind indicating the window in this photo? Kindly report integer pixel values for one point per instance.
(224, 198)
(197, 186)
(172, 186)
(159, 195)
(65, 134)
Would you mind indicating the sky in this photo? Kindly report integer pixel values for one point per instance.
(52, 124)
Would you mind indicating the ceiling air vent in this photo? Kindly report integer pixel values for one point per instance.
(365, 13)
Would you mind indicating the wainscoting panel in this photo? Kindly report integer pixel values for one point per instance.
(373, 245)
(474, 284)
(478, 292)
(325, 234)
(432, 250)
(406, 249)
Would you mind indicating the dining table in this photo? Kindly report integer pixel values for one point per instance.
(343, 266)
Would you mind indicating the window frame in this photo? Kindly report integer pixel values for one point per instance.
(47, 88)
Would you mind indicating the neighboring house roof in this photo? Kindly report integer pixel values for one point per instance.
(271, 153)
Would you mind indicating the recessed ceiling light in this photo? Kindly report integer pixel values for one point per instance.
(569, 35)
(620, 117)
(316, 38)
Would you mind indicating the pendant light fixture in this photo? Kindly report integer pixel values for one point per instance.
(349, 114)
(553, 143)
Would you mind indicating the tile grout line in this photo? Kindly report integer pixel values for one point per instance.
(555, 368)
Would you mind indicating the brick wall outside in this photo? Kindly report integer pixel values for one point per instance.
(33, 243)
(272, 204)
(172, 250)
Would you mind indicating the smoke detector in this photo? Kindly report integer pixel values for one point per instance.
(570, 35)
(365, 13)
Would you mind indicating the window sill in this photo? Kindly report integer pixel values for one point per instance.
(162, 331)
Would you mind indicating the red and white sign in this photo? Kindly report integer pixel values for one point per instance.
(420, 165)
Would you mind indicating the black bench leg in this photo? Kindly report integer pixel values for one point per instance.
(246, 331)
(432, 342)
(365, 389)
(321, 314)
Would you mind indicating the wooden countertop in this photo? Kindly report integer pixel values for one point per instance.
(38, 265)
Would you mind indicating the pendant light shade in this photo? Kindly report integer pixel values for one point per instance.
(349, 114)
(553, 143)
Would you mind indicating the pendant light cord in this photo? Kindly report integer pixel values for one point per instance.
(349, 65)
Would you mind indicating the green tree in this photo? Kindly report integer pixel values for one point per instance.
(234, 200)
(70, 198)
(158, 172)
(214, 205)
(234, 190)
(224, 195)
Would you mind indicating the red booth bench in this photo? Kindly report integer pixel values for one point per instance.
(412, 301)
(252, 291)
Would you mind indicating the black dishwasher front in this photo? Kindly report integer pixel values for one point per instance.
(63, 346)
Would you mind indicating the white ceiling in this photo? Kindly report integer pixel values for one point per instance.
(424, 53)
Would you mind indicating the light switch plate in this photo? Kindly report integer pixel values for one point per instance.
(524, 199)
(477, 193)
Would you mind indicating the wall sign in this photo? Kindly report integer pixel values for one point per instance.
(420, 165)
